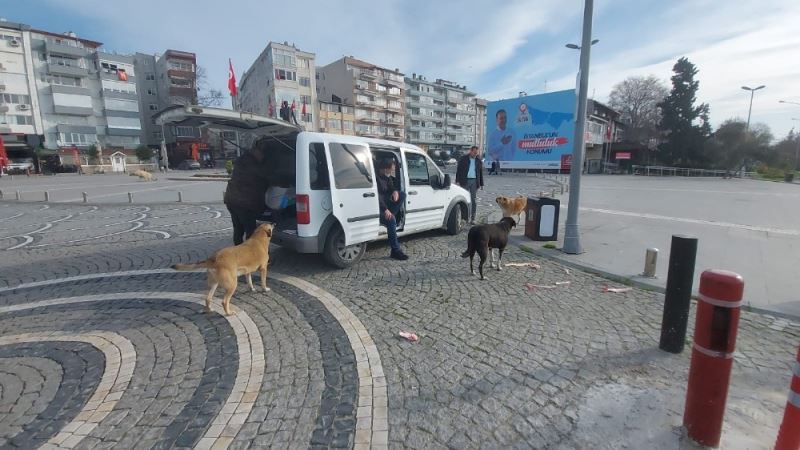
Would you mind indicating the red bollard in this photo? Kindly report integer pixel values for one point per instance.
(789, 434)
(712, 354)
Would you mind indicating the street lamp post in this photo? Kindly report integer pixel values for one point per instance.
(797, 147)
(750, 110)
(572, 239)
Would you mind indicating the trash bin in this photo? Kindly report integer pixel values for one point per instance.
(541, 218)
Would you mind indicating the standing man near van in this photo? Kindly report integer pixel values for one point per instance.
(245, 194)
(390, 201)
(469, 175)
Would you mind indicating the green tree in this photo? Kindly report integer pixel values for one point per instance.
(94, 154)
(733, 146)
(684, 125)
(144, 153)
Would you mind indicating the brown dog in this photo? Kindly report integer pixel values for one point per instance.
(227, 264)
(512, 206)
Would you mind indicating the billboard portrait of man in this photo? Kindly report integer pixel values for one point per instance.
(501, 139)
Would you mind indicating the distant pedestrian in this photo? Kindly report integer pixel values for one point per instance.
(469, 175)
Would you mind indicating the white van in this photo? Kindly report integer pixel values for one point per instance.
(334, 183)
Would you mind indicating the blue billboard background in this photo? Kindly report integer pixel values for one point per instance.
(533, 132)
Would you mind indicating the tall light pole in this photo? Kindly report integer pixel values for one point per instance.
(749, 111)
(572, 239)
(797, 147)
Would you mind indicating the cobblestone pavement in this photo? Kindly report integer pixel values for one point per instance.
(103, 346)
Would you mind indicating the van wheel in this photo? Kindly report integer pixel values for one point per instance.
(454, 222)
(339, 254)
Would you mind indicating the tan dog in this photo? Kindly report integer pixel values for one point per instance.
(143, 174)
(227, 264)
(512, 206)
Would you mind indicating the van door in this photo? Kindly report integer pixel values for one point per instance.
(425, 197)
(353, 191)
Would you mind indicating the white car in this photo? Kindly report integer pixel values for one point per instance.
(333, 178)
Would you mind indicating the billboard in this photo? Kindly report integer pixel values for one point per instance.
(533, 132)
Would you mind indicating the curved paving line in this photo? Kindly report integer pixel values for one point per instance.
(238, 405)
(84, 373)
(372, 423)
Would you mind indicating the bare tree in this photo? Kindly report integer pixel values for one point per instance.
(205, 95)
(637, 98)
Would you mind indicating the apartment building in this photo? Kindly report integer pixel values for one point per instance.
(281, 73)
(480, 124)
(336, 118)
(376, 93)
(165, 80)
(21, 125)
(440, 115)
(69, 93)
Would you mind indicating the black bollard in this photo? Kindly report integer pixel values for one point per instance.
(678, 297)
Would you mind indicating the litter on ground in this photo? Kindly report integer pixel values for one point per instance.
(616, 290)
(410, 337)
(532, 265)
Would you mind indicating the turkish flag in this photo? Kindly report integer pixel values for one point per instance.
(293, 105)
(122, 75)
(304, 107)
(231, 79)
(3, 155)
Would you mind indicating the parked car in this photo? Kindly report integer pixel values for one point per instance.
(334, 184)
(20, 165)
(189, 164)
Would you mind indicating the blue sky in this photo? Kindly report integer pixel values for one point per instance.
(496, 49)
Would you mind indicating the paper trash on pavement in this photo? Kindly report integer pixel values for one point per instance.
(616, 290)
(410, 337)
(532, 265)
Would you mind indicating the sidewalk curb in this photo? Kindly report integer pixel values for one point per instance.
(199, 179)
(634, 281)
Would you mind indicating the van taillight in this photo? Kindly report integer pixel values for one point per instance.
(303, 210)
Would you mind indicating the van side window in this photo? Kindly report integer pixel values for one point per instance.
(434, 175)
(351, 166)
(318, 167)
(417, 169)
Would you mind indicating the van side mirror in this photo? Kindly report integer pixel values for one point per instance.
(447, 182)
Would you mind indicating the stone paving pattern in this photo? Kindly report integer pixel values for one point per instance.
(497, 365)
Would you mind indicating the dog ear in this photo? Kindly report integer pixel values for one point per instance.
(269, 231)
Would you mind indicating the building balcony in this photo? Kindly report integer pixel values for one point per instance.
(398, 96)
(57, 69)
(62, 49)
(452, 108)
(401, 84)
(369, 134)
(367, 75)
(185, 74)
(394, 108)
(393, 121)
(367, 89)
(366, 104)
(367, 119)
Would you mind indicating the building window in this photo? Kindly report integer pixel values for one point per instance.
(180, 82)
(304, 63)
(16, 99)
(157, 135)
(305, 81)
(64, 61)
(153, 107)
(336, 124)
(184, 66)
(150, 77)
(287, 75)
(193, 132)
(347, 125)
(16, 120)
(283, 58)
(77, 138)
(151, 92)
(307, 118)
(305, 99)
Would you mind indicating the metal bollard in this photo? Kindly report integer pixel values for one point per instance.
(715, 331)
(19, 196)
(1, 194)
(677, 299)
(47, 196)
(789, 433)
(650, 260)
(130, 197)
(180, 196)
(85, 197)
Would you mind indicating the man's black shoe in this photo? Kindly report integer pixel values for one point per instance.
(399, 255)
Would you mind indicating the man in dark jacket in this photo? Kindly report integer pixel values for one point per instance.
(390, 201)
(469, 175)
(244, 195)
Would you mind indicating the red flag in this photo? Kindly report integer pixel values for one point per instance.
(304, 107)
(122, 75)
(271, 109)
(231, 79)
(3, 154)
(293, 105)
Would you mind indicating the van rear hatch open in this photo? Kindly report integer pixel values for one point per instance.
(224, 119)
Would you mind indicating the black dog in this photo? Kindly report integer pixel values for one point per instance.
(483, 238)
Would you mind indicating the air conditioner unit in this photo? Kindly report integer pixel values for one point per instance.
(23, 107)
(2, 87)
(13, 43)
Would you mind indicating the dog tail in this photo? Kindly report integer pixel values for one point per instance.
(198, 265)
